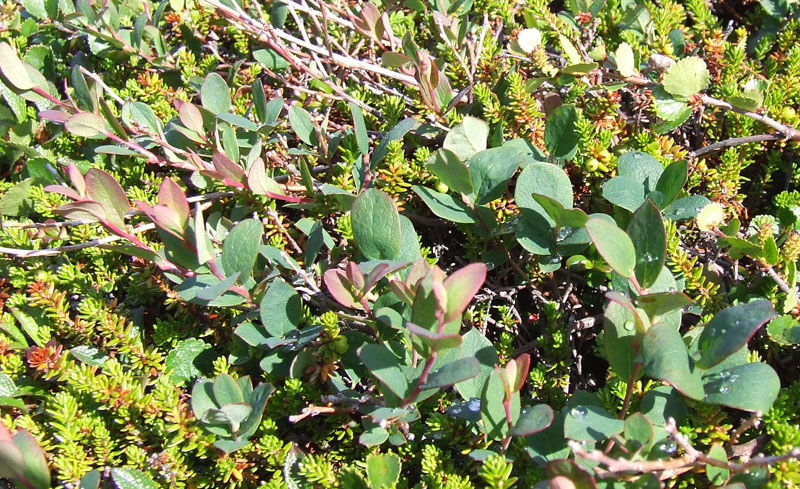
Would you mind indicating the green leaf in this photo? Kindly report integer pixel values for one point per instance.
(126, 478)
(383, 471)
(376, 225)
(271, 59)
(90, 355)
(572, 54)
(543, 179)
(394, 134)
(215, 95)
(641, 167)
(624, 192)
(16, 201)
(686, 77)
(570, 474)
(359, 128)
(562, 217)
(474, 344)
(626, 63)
(141, 114)
(259, 100)
(717, 475)
(649, 237)
(7, 386)
(586, 422)
(619, 334)
(670, 109)
(451, 171)
(666, 358)
(453, 373)
(302, 125)
(372, 437)
(467, 139)
(226, 390)
(685, 208)
(638, 430)
(445, 206)
(183, 359)
(86, 125)
(202, 398)
(493, 414)
(281, 309)
(730, 329)
(238, 121)
(662, 303)
(662, 403)
(784, 330)
(749, 100)
(14, 69)
(532, 420)
(749, 387)
(240, 248)
(670, 183)
(386, 367)
(613, 244)
(491, 170)
(561, 134)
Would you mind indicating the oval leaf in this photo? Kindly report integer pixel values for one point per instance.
(613, 244)
(731, 329)
(376, 225)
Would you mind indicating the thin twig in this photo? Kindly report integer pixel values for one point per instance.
(728, 143)
(19, 253)
(781, 283)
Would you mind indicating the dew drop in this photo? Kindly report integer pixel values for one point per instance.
(578, 412)
(733, 378)
(672, 289)
(724, 374)
(637, 155)
(724, 388)
(474, 405)
(648, 257)
(668, 447)
(628, 325)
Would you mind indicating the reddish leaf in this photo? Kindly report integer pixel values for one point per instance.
(104, 189)
(192, 118)
(171, 195)
(163, 217)
(516, 371)
(54, 116)
(90, 211)
(340, 288)
(228, 168)
(461, 287)
(65, 191)
(76, 178)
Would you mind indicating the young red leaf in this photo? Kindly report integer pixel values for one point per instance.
(171, 195)
(76, 178)
(191, 117)
(462, 285)
(104, 189)
(340, 288)
(228, 168)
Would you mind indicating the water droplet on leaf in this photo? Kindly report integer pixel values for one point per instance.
(578, 412)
